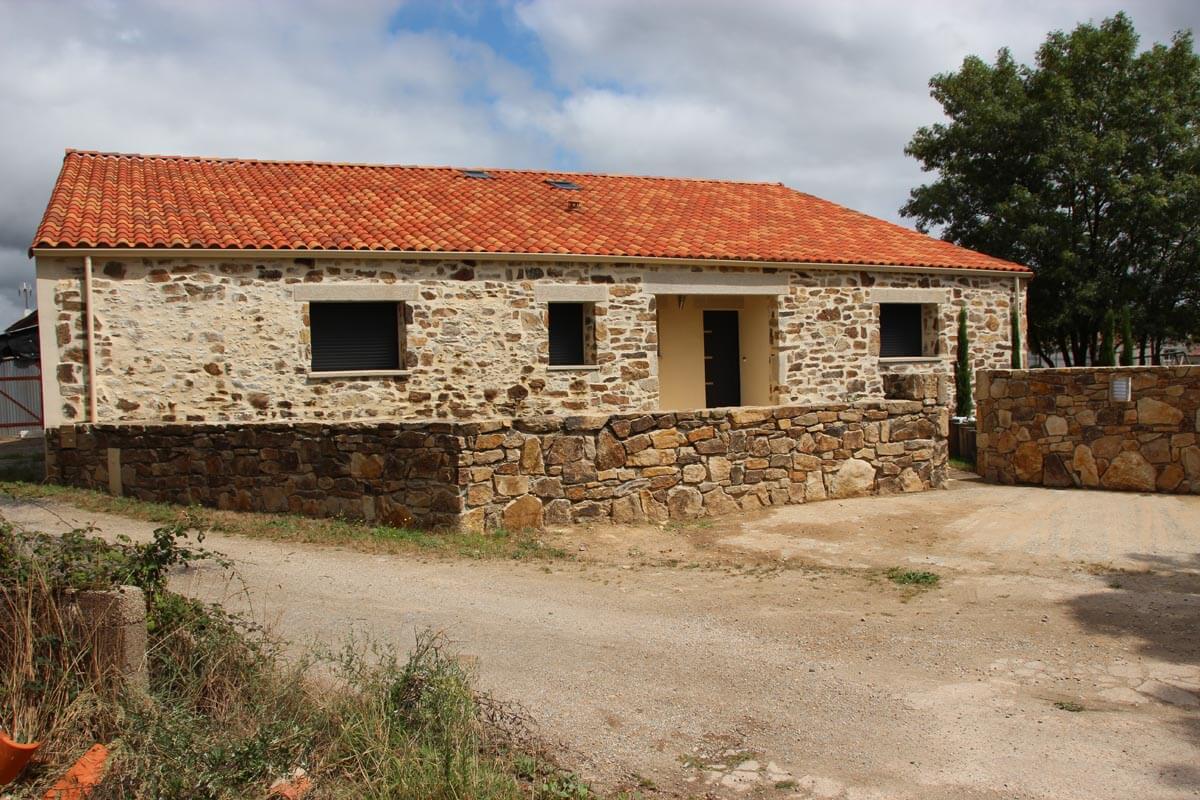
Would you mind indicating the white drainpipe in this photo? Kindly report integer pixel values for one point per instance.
(1020, 319)
(91, 337)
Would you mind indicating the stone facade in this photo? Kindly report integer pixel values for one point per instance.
(523, 472)
(1063, 427)
(222, 338)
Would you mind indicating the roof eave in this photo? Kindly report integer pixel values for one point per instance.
(244, 252)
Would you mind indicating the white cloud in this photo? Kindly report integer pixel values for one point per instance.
(820, 95)
(273, 80)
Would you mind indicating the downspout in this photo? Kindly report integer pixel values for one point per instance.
(91, 337)
(1020, 320)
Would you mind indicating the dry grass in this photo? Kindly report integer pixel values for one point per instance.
(226, 713)
(294, 528)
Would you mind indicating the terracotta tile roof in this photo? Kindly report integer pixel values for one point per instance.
(117, 200)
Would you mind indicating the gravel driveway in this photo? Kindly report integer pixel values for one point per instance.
(769, 656)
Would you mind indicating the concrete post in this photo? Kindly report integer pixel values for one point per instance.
(114, 621)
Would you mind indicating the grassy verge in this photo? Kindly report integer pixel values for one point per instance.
(294, 528)
(225, 712)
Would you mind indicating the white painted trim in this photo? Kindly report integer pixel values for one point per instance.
(717, 283)
(907, 295)
(227, 253)
(573, 368)
(361, 373)
(912, 359)
(90, 330)
(570, 293)
(48, 276)
(355, 292)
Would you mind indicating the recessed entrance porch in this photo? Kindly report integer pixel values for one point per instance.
(714, 350)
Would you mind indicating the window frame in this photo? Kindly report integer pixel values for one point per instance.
(587, 335)
(928, 330)
(401, 313)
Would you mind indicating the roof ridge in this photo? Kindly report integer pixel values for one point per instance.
(441, 167)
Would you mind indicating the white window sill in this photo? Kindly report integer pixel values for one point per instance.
(362, 373)
(912, 360)
(573, 367)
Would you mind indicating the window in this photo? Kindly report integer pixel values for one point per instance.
(901, 330)
(356, 336)
(569, 185)
(572, 334)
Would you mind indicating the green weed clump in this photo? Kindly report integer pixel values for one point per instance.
(913, 577)
(226, 712)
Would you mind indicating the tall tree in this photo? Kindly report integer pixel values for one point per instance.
(1126, 338)
(964, 406)
(1084, 167)
(1108, 349)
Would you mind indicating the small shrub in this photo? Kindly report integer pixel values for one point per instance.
(1068, 705)
(913, 577)
(78, 560)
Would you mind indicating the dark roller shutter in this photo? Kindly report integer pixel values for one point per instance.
(350, 336)
(899, 330)
(566, 333)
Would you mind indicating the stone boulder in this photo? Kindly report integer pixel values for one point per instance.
(1027, 462)
(854, 478)
(1056, 425)
(522, 514)
(685, 502)
(1131, 472)
(610, 453)
(1156, 412)
(1084, 464)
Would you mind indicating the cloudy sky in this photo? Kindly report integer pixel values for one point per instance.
(822, 95)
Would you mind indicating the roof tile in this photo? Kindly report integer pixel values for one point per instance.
(120, 200)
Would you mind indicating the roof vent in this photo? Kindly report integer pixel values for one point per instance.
(476, 173)
(563, 184)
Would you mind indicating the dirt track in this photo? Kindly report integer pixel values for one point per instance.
(774, 644)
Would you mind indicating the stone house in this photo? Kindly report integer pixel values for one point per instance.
(203, 290)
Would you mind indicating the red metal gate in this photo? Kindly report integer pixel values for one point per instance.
(20, 396)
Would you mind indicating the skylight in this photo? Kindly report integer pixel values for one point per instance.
(563, 184)
(476, 173)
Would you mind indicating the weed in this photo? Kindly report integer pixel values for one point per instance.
(963, 464)
(226, 712)
(1068, 705)
(913, 577)
(523, 545)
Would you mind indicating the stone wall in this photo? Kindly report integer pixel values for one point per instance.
(223, 339)
(682, 465)
(1061, 427)
(523, 472)
(400, 473)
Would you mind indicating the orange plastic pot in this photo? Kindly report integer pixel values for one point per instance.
(13, 757)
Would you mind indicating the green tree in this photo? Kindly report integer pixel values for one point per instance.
(1084, 166)
(1126, 338)
(963, 404)
(1108, 350)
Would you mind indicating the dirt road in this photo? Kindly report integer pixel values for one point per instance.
(769, 656)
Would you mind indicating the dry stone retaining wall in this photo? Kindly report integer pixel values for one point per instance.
(524, 472)
(1062, 427)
